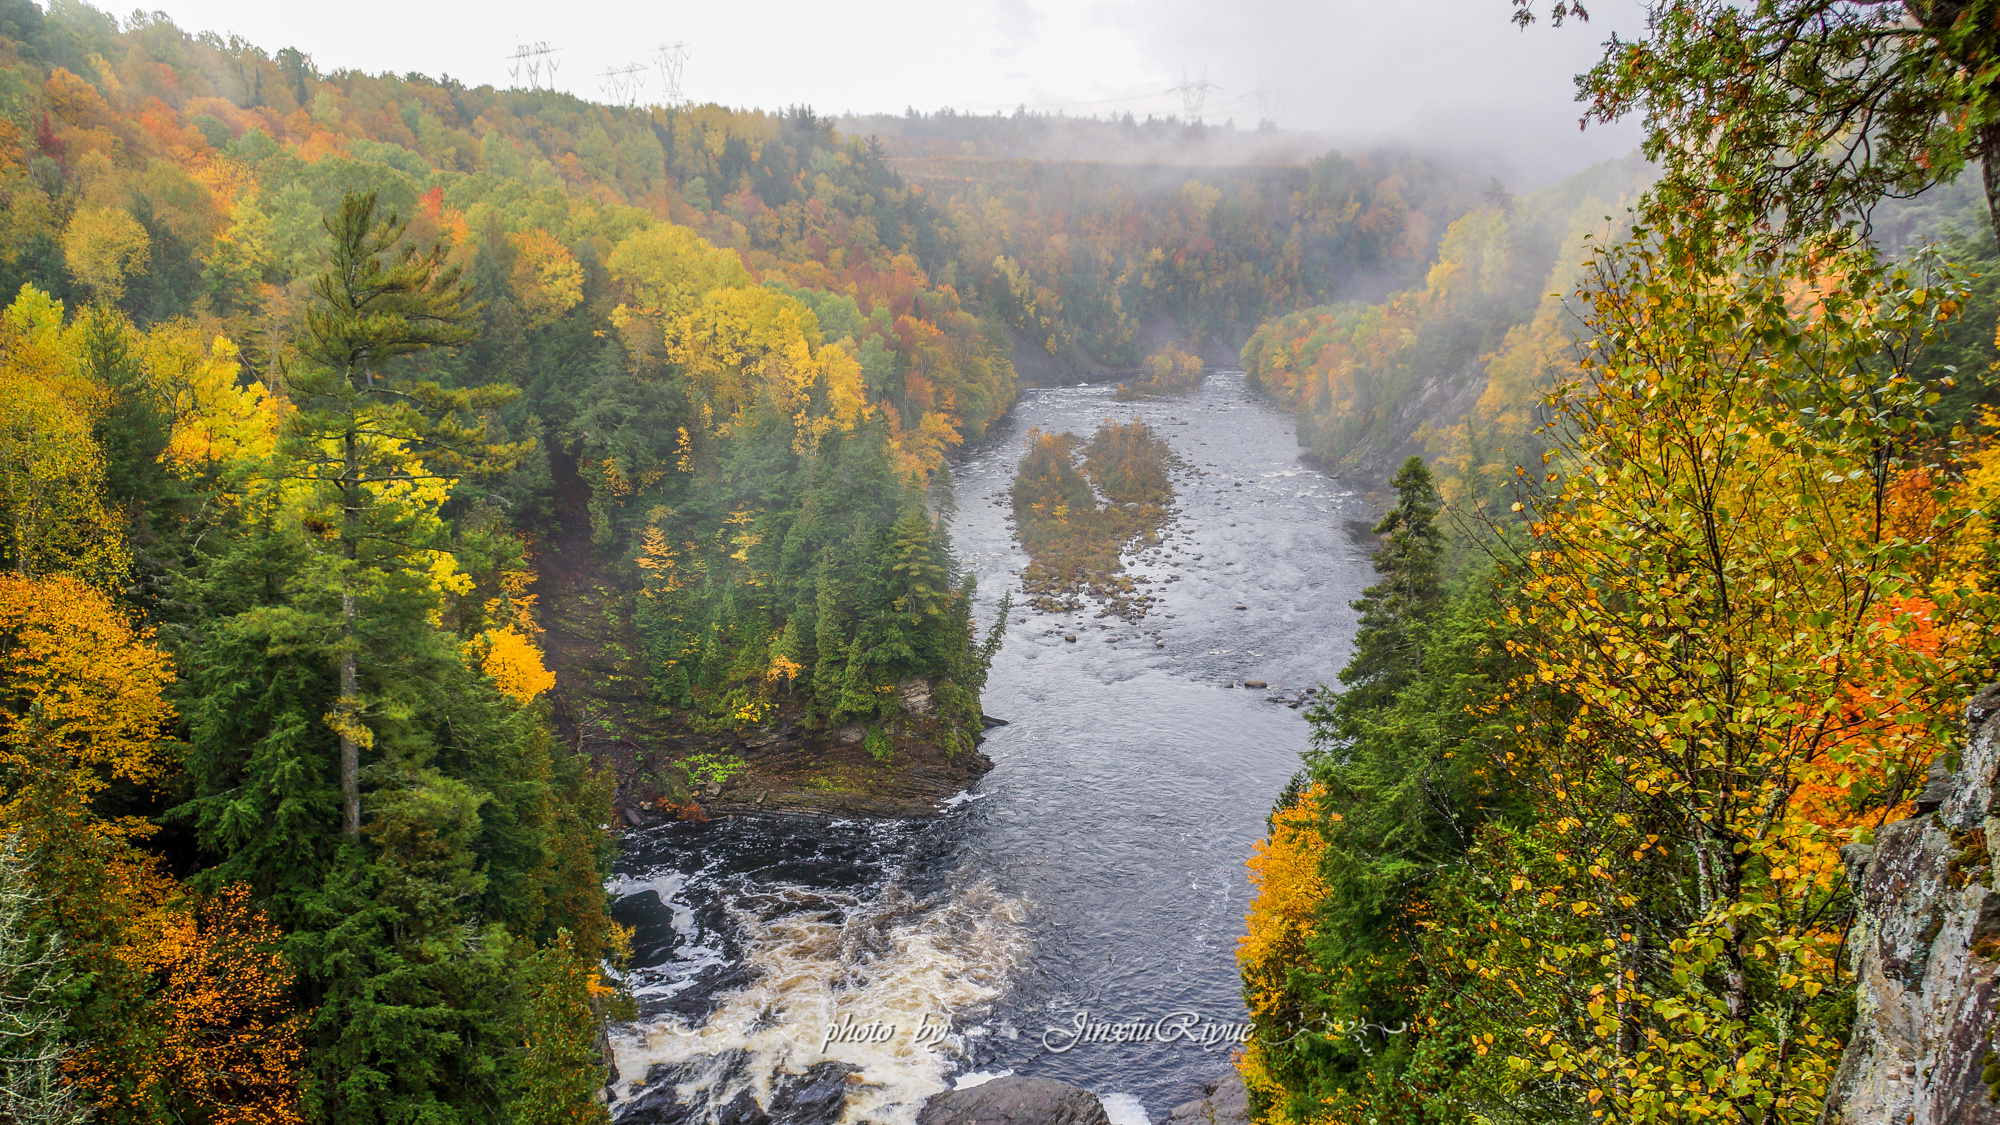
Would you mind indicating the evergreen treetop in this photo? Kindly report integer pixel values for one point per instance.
(1387, 648)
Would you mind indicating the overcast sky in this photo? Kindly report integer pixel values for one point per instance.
(1436, 73)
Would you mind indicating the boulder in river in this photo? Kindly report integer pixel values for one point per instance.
(1015, 1100)
(1255, 684)
(1070, 637)
(1227, 1103)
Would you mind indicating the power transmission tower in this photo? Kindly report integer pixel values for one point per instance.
(1267, 108)
(623, 83)
(1194, 95)
(672, 61)
(536, 60)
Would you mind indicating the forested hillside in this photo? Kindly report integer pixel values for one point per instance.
(404, 477)
(1460, 360)
(1457, 368)
(1709, 581)
(1136, 239)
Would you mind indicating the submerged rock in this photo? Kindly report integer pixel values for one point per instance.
(817, 1097)
(1014, 1100)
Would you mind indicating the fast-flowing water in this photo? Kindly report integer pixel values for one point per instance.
(808, 972)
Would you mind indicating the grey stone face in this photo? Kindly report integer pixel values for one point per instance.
(1926, 950)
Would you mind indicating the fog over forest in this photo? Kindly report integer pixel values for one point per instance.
(1443, 75)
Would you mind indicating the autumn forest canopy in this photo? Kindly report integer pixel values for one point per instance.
(389, 464)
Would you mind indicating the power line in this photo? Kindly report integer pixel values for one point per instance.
(533, 59)
(1194, 95)
(1267, 107)
(623, 83)
(672, 61)
(1243, 101)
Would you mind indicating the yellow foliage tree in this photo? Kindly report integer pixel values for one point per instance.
(666, 269)
(1286, 889)
(52, 516)
(748, 346)
(212, 420)
(85, 707)
(103, 246)
(546, 279)
(1732, 655)
(515, 665)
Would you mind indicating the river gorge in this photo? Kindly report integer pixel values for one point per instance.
(1075, 914)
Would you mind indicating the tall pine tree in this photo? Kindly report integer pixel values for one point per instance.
(369, 429)
(1387, 649)
(410, 885)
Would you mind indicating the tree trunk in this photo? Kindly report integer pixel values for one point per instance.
(350, 670)
(1989, 172)
(350, 713)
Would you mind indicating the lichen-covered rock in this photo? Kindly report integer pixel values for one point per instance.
(1926, 948)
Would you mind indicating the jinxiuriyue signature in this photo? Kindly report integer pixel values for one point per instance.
(1191, 1028)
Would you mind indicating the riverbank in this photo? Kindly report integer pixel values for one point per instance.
(783, 765)
(789, 770)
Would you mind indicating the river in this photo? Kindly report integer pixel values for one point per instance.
(808, 972)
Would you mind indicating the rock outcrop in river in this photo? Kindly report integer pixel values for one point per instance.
(1227, 1103)
(1015, 1101)
(1927, 950)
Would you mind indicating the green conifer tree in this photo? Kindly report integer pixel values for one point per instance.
(560, 1071)
(830, 643)
(364, 421)
(1387, 648)
(918, 575)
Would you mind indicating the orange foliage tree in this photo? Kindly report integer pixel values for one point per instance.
(84, 708)
(188, 1006)
(224, 1034)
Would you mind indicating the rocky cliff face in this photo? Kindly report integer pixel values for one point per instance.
(1926, 950)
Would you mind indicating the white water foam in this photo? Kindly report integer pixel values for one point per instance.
(1124, 1109)
(820, 959)
(973, 1078)
(694, 958)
